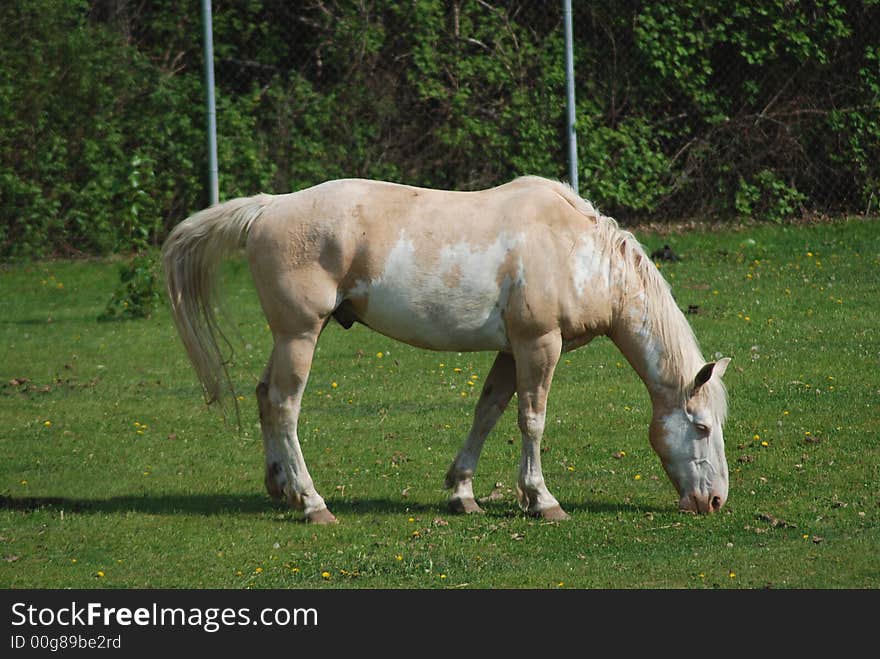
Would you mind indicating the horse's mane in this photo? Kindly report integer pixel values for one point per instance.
(666, 320)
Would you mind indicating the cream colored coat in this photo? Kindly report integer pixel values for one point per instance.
(527, 270)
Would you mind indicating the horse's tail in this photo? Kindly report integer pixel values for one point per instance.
(190, 257)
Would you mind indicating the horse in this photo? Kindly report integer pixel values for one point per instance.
(527, 269)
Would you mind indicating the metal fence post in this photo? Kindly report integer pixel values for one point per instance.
(211, 110)
(569, 86)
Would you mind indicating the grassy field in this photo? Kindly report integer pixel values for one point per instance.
(114, 474)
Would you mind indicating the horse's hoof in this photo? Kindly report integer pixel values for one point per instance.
(323, 516)
(552, 514)
(464, 506)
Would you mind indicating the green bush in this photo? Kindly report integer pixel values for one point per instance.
(138, 292)
(718, 108)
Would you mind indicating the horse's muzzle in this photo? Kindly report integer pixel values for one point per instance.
(697, 502)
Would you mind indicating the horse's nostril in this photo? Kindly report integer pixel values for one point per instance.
(716, 503)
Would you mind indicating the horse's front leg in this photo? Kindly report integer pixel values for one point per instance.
(536, 361)
(279, 395)
(497, 391)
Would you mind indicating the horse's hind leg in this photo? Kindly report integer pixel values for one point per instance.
(279, 396)
(497, 392)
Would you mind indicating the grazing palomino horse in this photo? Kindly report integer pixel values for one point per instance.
(527, 269)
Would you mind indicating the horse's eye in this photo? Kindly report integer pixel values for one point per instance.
(702, 428)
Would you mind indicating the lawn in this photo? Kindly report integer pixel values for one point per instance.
(114, 474)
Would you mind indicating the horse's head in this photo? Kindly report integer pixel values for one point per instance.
(689, 440)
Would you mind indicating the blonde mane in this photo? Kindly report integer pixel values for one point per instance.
(683, 357)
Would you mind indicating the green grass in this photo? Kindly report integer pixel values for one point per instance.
(110, 464)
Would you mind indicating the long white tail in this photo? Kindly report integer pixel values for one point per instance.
(190, 257)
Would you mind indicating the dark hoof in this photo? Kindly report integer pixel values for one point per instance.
(464, 506)
(323, 516)
(554, 514)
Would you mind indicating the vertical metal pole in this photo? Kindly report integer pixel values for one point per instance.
(569, 85)
(211, 110)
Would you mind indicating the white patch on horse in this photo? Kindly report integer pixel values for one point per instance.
(588, 265)
(456, 302)
(653, 353)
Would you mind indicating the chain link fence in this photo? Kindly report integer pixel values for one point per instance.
(724, 108)
(690, 110)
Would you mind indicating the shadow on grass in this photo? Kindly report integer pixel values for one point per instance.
(220, 504)
(202, 504)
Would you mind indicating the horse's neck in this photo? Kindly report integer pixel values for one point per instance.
(654, 336)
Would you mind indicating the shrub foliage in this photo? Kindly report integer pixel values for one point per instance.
(727, 108)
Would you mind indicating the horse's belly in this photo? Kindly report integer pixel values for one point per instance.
(437, 318)
(447, 297)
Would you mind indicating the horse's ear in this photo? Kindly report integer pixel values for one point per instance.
(710, 370)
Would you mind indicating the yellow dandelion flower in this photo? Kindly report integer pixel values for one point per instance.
(100, 574)
(457, 369)
(570, 468)
(73, 560)
(325, 575)
(47, 423)
(258, 570)
(416, 534)
(442, 365)
(764, 443)
(411, 520)
(398, 557)
(638, 477)
(379, 355)
(334, 385)
(756, 437)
